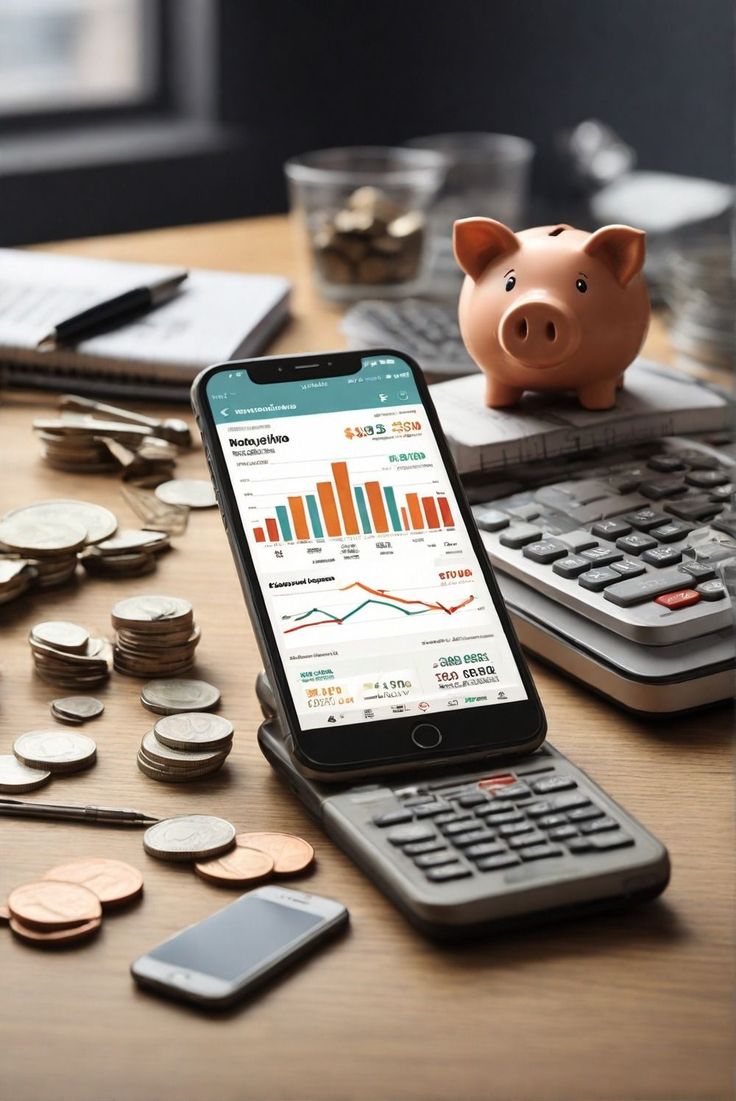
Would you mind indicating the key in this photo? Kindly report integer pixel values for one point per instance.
(698, 460)
(526, 839)
(605, 841)
(626, 482)
(611, 529)
(640, 589)
(708, 553)
(476, 852)
(490, 519)
(513, 828)
(515, 791)
(587, 490)
(706, 479)
(694, 508)
(636, 543)
(683, 598)
(447, 872)
(472, 799)
(545, 551)
(577, 540)
(627, 567)
(519, 535)
(662, 556)
(452, 816)
(571, 566)
(579, 845)
(472, 837)
(646, 518)
(722, 493)
(524, 512)
(453, 828)
(601, 510)
(554, 783)
(539, 852)
(413, 831)
(597, 580)
(698, 570)
(711, 590)
(435, 860)
(585, 814)
(392, 818)
(562, 833)
(665, 464)
(493, 863)
(726, 522)
(664, 487)
(429, 810)
(416, 848)
(570, 802)
(601, 556)
(506, 816)
(670, 533)
(599, 825)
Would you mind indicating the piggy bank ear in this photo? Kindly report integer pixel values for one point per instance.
(621, 248)
(479, 241)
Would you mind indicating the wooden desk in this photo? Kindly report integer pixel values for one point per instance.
(627, 1007)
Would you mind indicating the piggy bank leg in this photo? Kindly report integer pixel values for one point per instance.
(620, 382)
(599, 395)
(498, 394)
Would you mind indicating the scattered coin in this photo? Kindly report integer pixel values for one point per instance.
(290, 854)
(191, 492)
(15, 777)
(56, 750)
(194, 730)
(239, 868)
(98, 522)
(167, 697)
(76, 709)
(61, 635)
(58, 938)
(113, 881)
(189, 837)
(82, 667)
(49, 904)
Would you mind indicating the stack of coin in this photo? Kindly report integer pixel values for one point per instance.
(66, 906)
(16, 574)
(172, 697)
(255, 858)
(187, 492)
(75, 710)
(156, 636)
(65, 654)
(55, 751)
(161, 761)
(128, 553)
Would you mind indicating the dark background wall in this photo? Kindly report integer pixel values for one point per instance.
(292, 75)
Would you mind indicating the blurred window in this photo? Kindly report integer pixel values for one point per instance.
(58, 55)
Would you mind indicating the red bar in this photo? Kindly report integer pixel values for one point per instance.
(430, 511)
(447, 519)
(273, 531)
(415, 512)
(329, 508)
(296, 508)
(260, 537)
(345, 497)
(375, 502)
(404, 518)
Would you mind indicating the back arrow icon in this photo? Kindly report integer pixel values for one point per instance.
(224, 412)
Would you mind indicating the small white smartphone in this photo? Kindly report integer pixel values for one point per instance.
(223, 958)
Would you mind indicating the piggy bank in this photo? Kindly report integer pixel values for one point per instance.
(551, 308)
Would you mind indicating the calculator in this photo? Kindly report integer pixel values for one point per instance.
(463, 851)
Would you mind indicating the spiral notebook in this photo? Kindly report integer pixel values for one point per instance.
(216, 316)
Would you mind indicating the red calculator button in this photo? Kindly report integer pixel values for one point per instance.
(683, 598)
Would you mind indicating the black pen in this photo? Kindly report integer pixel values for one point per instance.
(115, 311)
(113, 816)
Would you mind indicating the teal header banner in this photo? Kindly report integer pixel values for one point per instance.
(381, 380)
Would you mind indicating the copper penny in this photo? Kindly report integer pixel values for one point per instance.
(58, 938)
(289, 854)
(242, 866)
(50, 905)
(113, 881)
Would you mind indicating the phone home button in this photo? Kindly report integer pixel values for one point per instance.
(426, 736)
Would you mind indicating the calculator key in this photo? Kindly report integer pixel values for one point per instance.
(452, 828)
(706, 479)
(628, 567)
(435, 860)
(611, 529)
(597, 580)
(548, 821)
(491, 519)
(570, 802)
(524, 512)
(417, 801)
(429, 810)
(539, 852)
(662, 556)
(413, 831)
(562, 833)
(698, 460)
(602, 556)
(726, 522)
(571, 566)
(665, 463)
(510, 829)
(452, 816)
(694, 508)
(416, 848)
(447, 872)
(599, 825)
(578, 540)
(635, 543)
(683, 598)
(699, 571)
(472, 799)
(605, 841)
(585, 814)
(505, 818)
(722, 493)
(639, 589)
(712, 590)
(545, 551)
(601, 510)
(392, 818)
(487, 848)
(672, 532)
(579, 845)
(626, 482)
(519, 535)
(525, 839)
(490, 810)
(539, 810)
(646, 518)
(711, 552)
(472, 837)
(554, 783)
(657, 490)
(493, 863)
(515, 791)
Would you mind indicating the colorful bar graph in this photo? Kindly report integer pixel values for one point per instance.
(298, 515)
(314, 517)
(445, 513)
(415, 512)
(260, 537)
(329, 508)
(345, 497)
(392, 509)
(283, 519)
(430, 511)
(362, 510)
(404, 518)
(375, 501)
(273, 531)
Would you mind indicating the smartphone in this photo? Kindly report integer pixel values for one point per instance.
(379, 620)
(229, 954)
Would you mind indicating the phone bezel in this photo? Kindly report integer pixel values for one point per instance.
(376, 744)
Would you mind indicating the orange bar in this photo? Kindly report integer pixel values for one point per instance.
(345, 497)
(375, 501)
(260, 537)
(404, 518)
(415, 511)
(273, 531)
(329, 508)
(298, 515)
(447, 519)
(430, 511)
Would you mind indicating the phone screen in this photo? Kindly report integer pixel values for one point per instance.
(237, 939)
(374, 591)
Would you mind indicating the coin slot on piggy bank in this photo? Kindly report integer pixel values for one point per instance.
(551, 308)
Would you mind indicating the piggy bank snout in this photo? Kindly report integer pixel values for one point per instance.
(539, 332)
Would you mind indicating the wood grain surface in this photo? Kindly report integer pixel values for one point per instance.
(617, 1008)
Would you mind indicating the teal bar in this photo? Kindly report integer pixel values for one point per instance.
(314, 517)
(363, 511)
(392, 509)
(284, 524)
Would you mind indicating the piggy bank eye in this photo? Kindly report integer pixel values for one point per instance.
(510, 283)
(581, 285)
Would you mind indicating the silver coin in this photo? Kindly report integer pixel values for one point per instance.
(163, 755)
(150, 612)
(131, 539)
(194, 729)
(188, 837)
(61, 635)
(33, 535)
(77, 708)
(99, 522)
(55, 750)
(194, 493)
(167, 697)
(176, 775)
(17, 777)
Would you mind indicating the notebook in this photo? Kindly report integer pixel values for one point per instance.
(216, 316)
